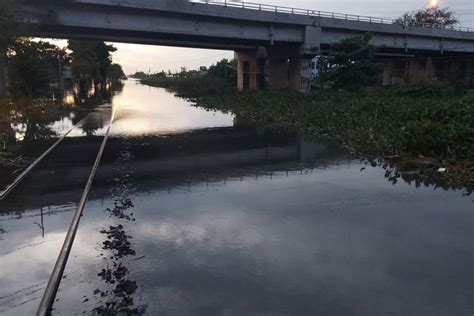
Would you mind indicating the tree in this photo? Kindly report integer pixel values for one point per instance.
(224, 69)
(116, 73)
(433, 15)
(104, 61)
(350, 63)
(115, 77)
(90, 64)
(159, 75)
(33, 66)
(8, 26)
(8, 29)
(139, 75)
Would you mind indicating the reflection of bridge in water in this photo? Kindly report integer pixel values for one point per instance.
(209, 155)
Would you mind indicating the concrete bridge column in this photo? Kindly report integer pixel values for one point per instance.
(246, 70)
(387, 74)
(300, 74)
(251, 69)
(289, 68)
(278, 72)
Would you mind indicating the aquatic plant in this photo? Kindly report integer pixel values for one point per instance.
(376, 123)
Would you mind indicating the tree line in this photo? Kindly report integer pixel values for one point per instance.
(35, 68)
(351, 63)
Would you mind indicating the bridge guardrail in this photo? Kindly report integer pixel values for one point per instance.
(324, 14)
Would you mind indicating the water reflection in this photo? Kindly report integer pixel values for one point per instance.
(201, 214)
(29, 126)
(151, 111)
(34, 218)
(424, 176)
(241, 221)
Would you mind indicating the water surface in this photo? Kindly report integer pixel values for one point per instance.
(203, 215)
(198, 213)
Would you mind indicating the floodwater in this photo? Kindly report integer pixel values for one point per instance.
(34, 218)
(197, 213)
(28, 128)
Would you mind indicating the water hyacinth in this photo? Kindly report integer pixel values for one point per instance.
(378, 122)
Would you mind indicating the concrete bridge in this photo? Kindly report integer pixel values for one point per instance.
(272, 44)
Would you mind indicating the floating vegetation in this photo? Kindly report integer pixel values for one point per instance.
(118, 297)
(376, 123)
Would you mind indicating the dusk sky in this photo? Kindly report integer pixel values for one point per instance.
(157, 58)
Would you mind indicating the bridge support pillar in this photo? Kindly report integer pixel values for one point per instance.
(289, 68)
(278, 73)
(250, 69)
(3, 74)
(387, 74)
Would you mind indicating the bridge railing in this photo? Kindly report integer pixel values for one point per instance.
(324, 14)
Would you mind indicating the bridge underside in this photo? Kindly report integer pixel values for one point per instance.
(272, 49)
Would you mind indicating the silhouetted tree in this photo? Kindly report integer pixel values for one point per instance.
(224, 69)
(90, 64)
(139, 75)
(8, 26)
(33, 66)
(432, 15)
(8, 30)
(350, 63)
(116, 73)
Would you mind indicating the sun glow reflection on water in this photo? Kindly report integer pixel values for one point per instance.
(159, 112)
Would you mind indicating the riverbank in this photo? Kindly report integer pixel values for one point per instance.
(428, 130)
(192, 85)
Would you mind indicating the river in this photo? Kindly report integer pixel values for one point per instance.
(194, 212)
